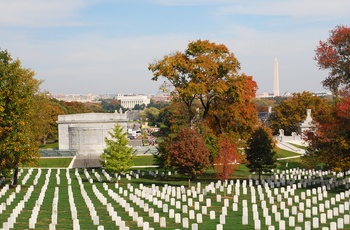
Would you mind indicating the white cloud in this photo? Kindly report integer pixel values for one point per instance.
(97, 61)
(190, 2)
(36, 13)
(96, 64)
(294, 8)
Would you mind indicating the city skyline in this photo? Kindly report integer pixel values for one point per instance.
(81, 47)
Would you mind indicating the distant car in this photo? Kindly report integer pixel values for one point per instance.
(131, 137)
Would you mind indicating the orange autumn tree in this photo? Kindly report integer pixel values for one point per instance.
(205, 79)
(212, 95)
(227, 159)
(234, 112)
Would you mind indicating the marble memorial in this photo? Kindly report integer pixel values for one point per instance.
(86, 132)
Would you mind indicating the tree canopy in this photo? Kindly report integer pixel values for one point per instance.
(227, 160)
(18, 142)
(150, 114)
(208, 95)
(334, 55)
(117, 157)
(205, 79)
(261, 155)
(289, 113)
(188, 153)
(331, 142)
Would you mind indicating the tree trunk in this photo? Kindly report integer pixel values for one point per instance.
(117, 178)
(15, 177)
(259, 176)
(189, 182)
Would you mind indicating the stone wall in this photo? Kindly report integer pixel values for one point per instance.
(86, 132)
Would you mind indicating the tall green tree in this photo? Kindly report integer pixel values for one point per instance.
(260, 152)
(18, 142)
(117, 157)
(150, 114)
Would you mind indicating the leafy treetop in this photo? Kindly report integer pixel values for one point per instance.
(334, 55)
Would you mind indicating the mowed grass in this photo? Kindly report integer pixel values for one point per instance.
(60, 162)
(149, 160)
(155, 180)
(145, 160)
(127, 189)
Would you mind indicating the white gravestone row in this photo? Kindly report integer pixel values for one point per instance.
(35, 212)
(285, 193)
(11, 220)
(183, 206)
(20, 205)
(320, 194)
(90, 205)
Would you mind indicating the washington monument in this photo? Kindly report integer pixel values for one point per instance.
(276, 85)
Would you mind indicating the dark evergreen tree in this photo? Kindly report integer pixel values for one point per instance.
(260, 152)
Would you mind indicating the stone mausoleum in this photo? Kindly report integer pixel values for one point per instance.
(86, 132)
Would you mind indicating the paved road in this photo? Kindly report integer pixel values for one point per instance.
(135, 142)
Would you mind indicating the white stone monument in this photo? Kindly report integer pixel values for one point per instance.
(307, 125)
(86, 132)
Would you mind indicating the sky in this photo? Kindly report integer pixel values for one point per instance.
(106, 46)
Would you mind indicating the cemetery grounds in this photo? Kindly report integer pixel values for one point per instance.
(149, 198)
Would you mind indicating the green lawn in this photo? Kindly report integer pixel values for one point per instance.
(129, 191)
(299, 146)
(145, 160)
(282, 153)
(155, 181)
(150, 160)
(50, 146)
(60, 162)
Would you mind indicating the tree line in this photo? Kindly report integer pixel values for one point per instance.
(212, 119)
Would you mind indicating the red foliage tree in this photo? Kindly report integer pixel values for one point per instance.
(226, 162)
(331, 142)
(188, 153)
(333, 54)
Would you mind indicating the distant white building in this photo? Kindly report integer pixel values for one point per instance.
(129, 101)
(86, 132)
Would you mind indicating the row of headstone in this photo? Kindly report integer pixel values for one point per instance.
(197, 192)
(90, 205)
(11, 220)
(35, 212)
(27, 176)
(324, 194)
(37, 176)
(54, 215)
(58, 178)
